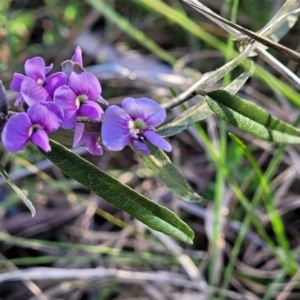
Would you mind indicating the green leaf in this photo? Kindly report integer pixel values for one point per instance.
(199, 111)
(282, 21)
(251, 118)
(163, 168)
(118, 194)
(289, 53)
(234, 86)
(194, 114)
(18, 191)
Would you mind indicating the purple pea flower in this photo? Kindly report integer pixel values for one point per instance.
(54, 81)
(77, 57)
(78, 98)
(58, 79)
(32, 126)
(134, 124)
(34, 87)
(30, 85)
(90, 139)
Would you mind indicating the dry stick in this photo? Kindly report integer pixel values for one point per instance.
(277, 65)
(186, 262)
(208, 79)
(289, 53)
(35, 290)
(46, 274)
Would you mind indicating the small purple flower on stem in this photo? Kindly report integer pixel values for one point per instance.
(134, 124)
(30, 85)
(78, 98)
(90, 139)
(77, 57)
(54, 81)
(32, 127)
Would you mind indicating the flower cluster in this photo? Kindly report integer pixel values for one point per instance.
(57, 100)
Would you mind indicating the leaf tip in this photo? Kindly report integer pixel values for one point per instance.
(33, 211)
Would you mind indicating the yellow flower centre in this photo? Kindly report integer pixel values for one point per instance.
(40, 81)
(136, 127)
(80, 99)
(33, 128)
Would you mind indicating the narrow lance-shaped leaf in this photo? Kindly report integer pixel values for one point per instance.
(118, 194)
(251, 118)
(285, 18)
(200, 111)
(194, 114)
(18, 191)
(234, 86)
(289, 53)
(163, 168)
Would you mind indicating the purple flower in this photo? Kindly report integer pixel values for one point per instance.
(90, 139)
(54, 81)
(78, 98)
(134, 123)
(77, 57)
(30, 85)
(32, 127)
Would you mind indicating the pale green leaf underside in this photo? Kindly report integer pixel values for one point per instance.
(18, 191)
(194, 114)
(120, 195)
(159, 163)
(200, 111)
(251, 118)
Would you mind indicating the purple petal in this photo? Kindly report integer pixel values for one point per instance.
(66, 99)
(48, 69)
(115, 132)
(35, 68)
(56, 115)
(157, 140)
(16, 131)
(41, 139)
(77, 57)
(85, 84)
(140, 146)
(102, 100)
(48, 116)
(33, 93)
(17, 81)
(54, 81)
(92, 145)
(147, 109)
(79, 137)
(87, 138)
(91, 109)
(19, 100)
(69, 122)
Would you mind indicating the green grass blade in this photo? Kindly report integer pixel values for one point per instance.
(131, 30)
(20, 194)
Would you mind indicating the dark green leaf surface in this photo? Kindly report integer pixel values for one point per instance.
(251, 118)
(120, 195)
(163, 168)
